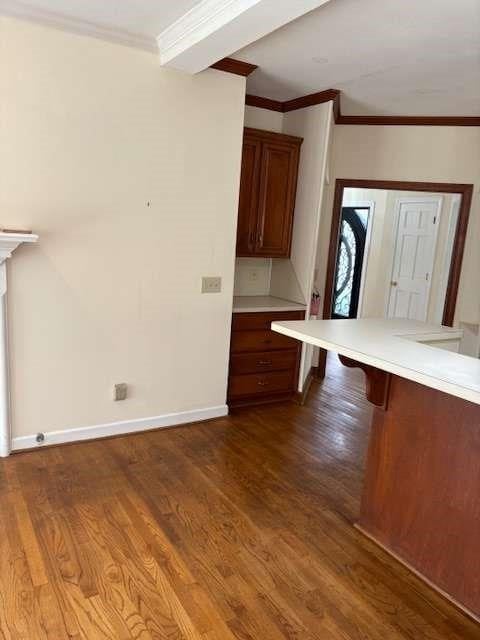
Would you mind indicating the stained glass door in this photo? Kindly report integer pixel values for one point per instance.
(350, 253)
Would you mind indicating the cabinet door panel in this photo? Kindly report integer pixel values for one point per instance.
(248, 200)
(278, 182)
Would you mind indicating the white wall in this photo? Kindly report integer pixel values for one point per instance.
(130, 175)
(265, 119)
(425, 154)
(314, 125)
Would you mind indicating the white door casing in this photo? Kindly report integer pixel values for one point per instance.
(416, 223)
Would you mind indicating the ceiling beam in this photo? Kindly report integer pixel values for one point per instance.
(214, 29)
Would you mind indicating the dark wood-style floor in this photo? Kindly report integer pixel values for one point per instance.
(240, 528)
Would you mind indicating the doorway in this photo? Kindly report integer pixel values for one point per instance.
(379, 273)
(387, 257)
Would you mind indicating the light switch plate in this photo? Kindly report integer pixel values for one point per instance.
(211, 285)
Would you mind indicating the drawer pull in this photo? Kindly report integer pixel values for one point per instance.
(262, 383)
(268, 341)
(264, 362)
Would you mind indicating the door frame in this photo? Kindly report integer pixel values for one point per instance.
(464, 190)
(438, 199)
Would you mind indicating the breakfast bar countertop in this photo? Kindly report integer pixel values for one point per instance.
(395, 346)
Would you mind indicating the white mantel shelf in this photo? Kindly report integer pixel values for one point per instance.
(395, 346)
(8, 243)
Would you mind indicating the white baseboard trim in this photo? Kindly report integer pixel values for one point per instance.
(119, 428)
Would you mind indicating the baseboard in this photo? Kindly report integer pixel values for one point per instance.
(119, 428)
(301, 396)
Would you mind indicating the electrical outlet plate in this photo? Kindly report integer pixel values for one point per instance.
(211, 285)
(120, 391)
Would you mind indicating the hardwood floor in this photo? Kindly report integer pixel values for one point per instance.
(234, 529)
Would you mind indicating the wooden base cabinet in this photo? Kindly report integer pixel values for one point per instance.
(264, 365)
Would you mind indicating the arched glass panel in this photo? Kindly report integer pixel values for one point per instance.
(345, 270)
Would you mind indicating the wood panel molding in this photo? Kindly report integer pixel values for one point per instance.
(335, 95)
(378, 381)
(238, 67)
(464, 190)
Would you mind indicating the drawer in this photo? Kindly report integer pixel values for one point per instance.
(241, 363)
(252, 321)
(256, 384)
(260, 341)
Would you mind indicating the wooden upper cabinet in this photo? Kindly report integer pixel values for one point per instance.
(247, 204)
(267, 194)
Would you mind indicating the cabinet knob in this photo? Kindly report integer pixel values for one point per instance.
(394, 283)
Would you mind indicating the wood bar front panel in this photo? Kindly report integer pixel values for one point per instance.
(421, 496)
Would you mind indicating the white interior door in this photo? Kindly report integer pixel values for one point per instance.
(413, 258)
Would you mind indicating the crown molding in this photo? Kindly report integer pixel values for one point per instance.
(263, 103)
(24, 11)
(421, 121)
(197, 24)
(334, 95)
(237, 67)
(310, 100)
(292, 105)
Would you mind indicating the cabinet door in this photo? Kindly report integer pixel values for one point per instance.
(278, 184)
(248, 200)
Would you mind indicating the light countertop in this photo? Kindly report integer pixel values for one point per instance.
(395, 346)
(252, 304)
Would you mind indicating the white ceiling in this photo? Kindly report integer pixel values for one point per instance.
(388, 57)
